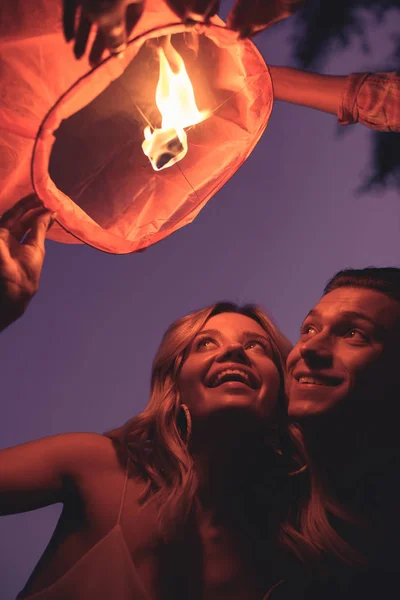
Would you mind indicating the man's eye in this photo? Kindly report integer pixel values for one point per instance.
(356, 334)
(308, 329)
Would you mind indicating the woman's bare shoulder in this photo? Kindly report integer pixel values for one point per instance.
(93, 452)
(38, 473)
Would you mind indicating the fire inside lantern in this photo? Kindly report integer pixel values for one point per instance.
(175, 100)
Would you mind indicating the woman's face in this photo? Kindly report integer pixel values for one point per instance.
(229, 364)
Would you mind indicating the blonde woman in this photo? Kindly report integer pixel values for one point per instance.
(190, 499)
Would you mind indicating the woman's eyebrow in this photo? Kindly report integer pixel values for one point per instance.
(254, 335)
(208, 332)
(244, 335)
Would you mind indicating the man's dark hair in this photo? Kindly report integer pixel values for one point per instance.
(381, 279)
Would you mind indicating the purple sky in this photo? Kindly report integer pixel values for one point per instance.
(79, 360)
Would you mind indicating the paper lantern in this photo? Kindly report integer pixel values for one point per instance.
(115, 150)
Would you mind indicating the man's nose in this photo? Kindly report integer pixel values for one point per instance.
(316, 351)
(234, 352)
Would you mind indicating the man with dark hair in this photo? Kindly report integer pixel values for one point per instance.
(344, 390)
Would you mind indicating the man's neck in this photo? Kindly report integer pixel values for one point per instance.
(343, 456)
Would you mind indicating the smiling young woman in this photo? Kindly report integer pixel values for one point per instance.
(188, 358)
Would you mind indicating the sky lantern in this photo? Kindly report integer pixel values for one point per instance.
(130, 151)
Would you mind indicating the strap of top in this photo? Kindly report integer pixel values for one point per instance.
(121, 506)
(269, 595)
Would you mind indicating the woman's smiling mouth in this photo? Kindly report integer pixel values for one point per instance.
(237, 375)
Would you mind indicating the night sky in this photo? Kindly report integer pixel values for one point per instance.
(80, 359)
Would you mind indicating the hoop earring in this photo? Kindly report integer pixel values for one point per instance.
(184, 423)
(276, 443)
(298, 471)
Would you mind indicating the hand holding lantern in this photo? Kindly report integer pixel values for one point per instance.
(252, 17)
(117, 18)
(247, 16)
(23, 230)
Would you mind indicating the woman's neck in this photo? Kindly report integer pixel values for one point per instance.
(230, 459)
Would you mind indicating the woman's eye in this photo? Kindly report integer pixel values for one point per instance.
(205, 343)
(256, 344)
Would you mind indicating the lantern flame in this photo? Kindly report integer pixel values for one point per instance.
(176, 102)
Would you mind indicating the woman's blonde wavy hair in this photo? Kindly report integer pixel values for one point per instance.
(157, 445)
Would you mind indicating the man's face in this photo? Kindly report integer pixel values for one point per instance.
(347, 354)
(229, 365)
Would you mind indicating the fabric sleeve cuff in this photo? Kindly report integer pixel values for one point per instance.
(348, 108)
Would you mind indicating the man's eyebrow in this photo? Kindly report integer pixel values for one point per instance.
(349, 314)
(353, 314)
(313, 313)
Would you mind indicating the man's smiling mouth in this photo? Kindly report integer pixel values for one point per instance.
(322, 380)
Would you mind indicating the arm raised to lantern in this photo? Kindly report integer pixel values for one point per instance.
(322, 92)
(22, 233)
(369, 98)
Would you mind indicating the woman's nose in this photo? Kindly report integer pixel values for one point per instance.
(234, 352)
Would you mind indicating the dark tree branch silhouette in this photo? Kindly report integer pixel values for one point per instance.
(385, 158)
(323, 26)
